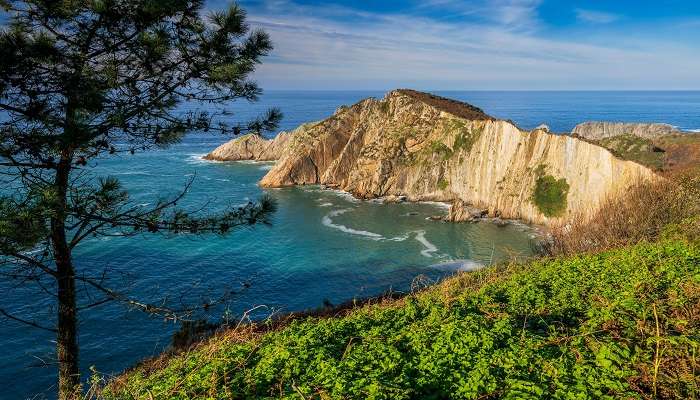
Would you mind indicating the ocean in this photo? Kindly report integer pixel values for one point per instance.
(323, 246)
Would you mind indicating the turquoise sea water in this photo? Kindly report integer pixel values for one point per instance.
(323, 245)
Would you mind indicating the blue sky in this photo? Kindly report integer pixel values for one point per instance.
(479, 44)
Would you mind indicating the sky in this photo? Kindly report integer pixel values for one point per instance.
(478, 44)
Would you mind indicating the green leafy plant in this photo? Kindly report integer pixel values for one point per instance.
(618, 324)
(466, 139)
(550, 195)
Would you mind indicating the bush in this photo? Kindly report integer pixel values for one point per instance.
(641, 214)
(550, 195)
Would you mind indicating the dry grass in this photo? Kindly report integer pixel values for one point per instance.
(646, 212)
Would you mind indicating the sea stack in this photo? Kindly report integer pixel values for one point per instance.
(251, 147)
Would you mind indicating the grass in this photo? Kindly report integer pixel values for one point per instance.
(665, 153)
(618, 324)
(635, 148)
(549, 195)
(464, 139)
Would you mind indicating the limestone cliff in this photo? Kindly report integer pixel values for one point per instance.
(429, 148)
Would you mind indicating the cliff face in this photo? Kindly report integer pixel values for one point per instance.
(427, 148)
(602, 130)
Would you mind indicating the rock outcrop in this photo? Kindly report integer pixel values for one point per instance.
(601, 130)
(425, 147)
(251, 147)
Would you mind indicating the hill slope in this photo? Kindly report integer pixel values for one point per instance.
(661, 147)
(621, 324)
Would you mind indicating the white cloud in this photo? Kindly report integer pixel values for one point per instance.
(595, 17)
(341, 48)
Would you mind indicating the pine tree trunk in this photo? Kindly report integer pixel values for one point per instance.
(67, 343)
(67, 337)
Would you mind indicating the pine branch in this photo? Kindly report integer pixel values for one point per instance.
(26, 322)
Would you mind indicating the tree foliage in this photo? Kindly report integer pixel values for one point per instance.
(81, 80)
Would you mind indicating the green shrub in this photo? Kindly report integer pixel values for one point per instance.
(384, 106)
(465, 140)
(550, 195)
(440, 149)
(620, 324)
(443, 184)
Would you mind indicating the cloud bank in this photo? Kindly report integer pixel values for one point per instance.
(480, 45)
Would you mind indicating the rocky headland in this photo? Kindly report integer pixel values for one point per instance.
(596, 130)
(422, 147)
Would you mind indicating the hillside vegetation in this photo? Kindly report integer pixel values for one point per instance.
(619, 324)
(612, 313)
(642, 213)
(664, 153)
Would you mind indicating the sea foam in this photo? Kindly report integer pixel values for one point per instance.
(327, 221)
(428, 251)
(429, 247)
(458, 266)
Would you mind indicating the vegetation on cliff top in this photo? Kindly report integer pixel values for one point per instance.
(454, 107)
(618, 324)
(635, 148)
(671, 152)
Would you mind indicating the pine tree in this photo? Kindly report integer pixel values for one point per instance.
(86, 79)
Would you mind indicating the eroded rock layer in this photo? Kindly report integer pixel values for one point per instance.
(428, 148)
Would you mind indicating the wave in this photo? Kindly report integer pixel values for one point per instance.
(340, 193)
(325, 205)
(437, 203)
(327, 221)
(400, 238)
(132, 173)
(198, 159)
(458, 266)
(429, 247)
(692, 130)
